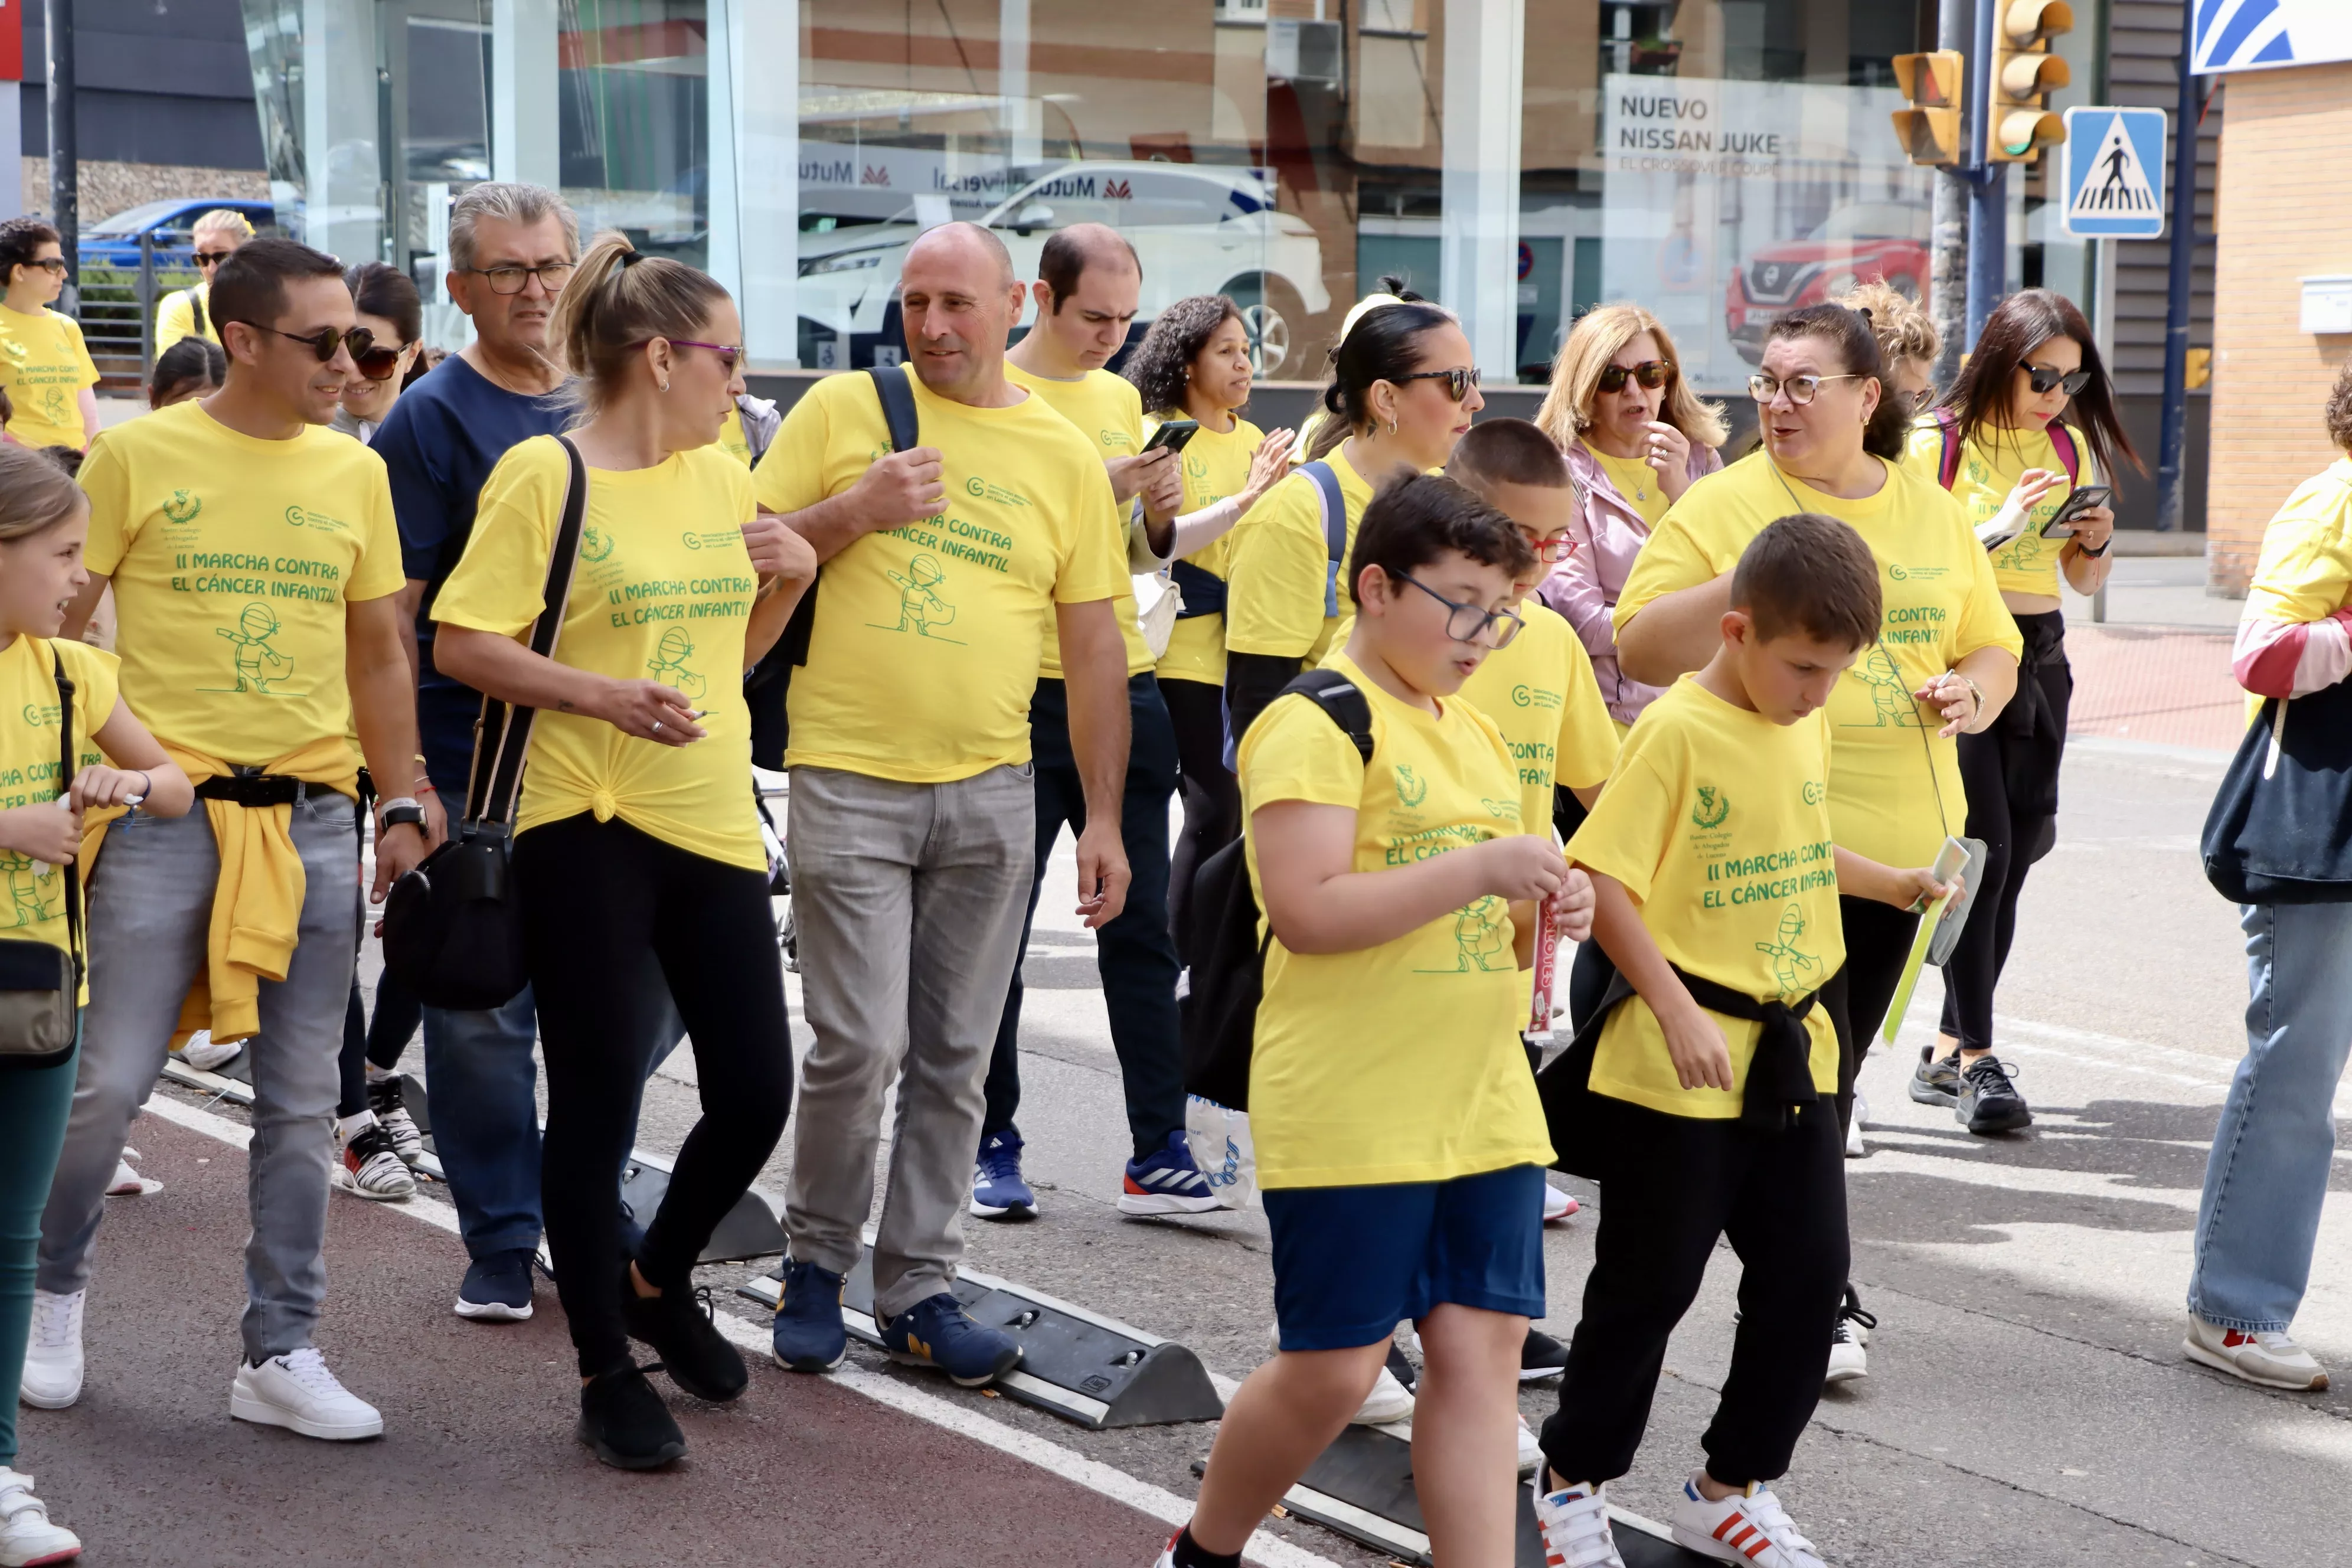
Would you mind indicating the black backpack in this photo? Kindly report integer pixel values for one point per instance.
(1224, 954)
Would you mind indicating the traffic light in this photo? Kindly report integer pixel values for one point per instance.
(1930, 130)
(2018, 125)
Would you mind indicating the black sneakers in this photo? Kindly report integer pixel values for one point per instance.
(1989, 1102)
(624, 1423)
(1937, 1079)
(680, 1325)
(1541, 1356)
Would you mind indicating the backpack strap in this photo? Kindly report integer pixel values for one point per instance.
(897, 397)
(2070, 456)
(504, 741)
(1947, 463)
(1342, 702)
(196, 310)
(1335, 530)
(66, 771)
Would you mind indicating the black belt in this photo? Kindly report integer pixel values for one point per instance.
(251, 786)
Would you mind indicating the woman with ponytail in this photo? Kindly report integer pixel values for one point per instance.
(637, 861)
(1403, 390)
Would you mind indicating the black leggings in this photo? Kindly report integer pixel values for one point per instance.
(397, 1013)
(2011, 774)
(1212, 796)
(609, 915)
(1877, 941)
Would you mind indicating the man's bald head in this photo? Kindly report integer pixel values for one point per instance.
(963, 245)
(1069, 252)
(958, 299)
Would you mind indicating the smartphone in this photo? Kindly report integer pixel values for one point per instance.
(1173, 435)
(2062, 522)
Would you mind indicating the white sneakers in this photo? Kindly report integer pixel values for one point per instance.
(128, 1183)
(1558, 1206)
(297, 1392)
(1389, 1401)
(1531, 1455)
(1853, 1146)
(53, 1351)
(205, 1054)
(368, 1164)
(26, 1536)
(1574, 1521)
(1749, 1527)
(2271, 1360)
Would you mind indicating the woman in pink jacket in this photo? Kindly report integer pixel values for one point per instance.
(1635, 437)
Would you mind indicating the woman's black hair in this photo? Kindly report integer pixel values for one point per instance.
(1160, 363)
(1849, 333)
(20, 238)
(1979, 399)
(379, 289)
(191, 360)
(1384, 345)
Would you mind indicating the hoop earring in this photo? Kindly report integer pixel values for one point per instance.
(664, 385)
(1391, 427)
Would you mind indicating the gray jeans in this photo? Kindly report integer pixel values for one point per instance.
(149, 909)
(909, 899)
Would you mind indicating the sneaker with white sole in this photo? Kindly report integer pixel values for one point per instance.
(26, 1536)
(1850, 1341)
(1531, 1454)
(1166, 1181)
(1749, 1527)
(2272, 1360)
(998, 1191)
(207, 1054)
(1558, 1206)
(370, 1167)
(1853, 1145)
(392, 1115)
(297, 1392)
(1541, 1356)
(128, 1183)
(53, 1363)
(1574, 1524)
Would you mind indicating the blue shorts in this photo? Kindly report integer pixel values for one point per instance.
(1351, 1263)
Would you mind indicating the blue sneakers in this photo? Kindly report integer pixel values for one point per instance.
(997, 1190)
(807, 1335)
(937, 1331)
(1167, 1182)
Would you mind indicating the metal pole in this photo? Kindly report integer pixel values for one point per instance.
(147, 302)
(1948, 298)
(1988, 194)
(64, 153)
(2172, 449)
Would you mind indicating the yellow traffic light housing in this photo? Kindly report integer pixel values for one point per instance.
(1929, 130)
(2018, 123)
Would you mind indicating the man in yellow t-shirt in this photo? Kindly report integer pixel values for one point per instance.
(911, 837)
(1087, 290)
(255, 565)
(45, 367)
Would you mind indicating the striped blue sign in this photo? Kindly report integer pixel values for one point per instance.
(2253, 35)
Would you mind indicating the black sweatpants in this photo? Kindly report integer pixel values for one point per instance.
(397, 1012)
(2011, 774)
(1212, 796)
(609, 915)
(1669, 1186)
(1877, 941)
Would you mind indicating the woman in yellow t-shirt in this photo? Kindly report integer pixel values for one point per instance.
(187, 313)
(638, 859)
(45, 367)
(2001, 442)
(1194, 364)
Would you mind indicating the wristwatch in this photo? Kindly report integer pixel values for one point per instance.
(1976, 692)
(2090, 554)
(400, 811)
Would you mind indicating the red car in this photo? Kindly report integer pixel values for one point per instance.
(1861, 242)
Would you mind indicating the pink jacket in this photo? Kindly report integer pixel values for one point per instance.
(1609, 534)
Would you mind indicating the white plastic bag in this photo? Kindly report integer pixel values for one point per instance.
(1219, 1138)
(1157, 601)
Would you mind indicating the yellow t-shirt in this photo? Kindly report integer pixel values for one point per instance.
(43, 365)
(2305, 573)
(35, 908)
(927, 637)
(663, 592)
(1940, 606)
(731, 440)
(1107, 410)
(1988, 469)
(1216, 465)
(233, 559)
(1636, 481)
(1717, 823)
(1280, 565)
(176, 317)
(1541, 694)
(1400, 1062)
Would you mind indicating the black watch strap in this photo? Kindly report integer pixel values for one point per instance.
(408, 816)
(2089, 554)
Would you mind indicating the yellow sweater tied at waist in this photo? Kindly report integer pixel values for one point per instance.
(257, 901)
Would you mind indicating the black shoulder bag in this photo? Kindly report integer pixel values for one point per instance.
(2281, 829)
(451, 932)
(40, 986)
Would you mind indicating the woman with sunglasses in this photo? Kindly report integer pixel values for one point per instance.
(187, 313)
(388, 306)
(1944, 663)
(45, 367)
(639, 863)
(1999, 441)
(1635, 437)
(1403, 392)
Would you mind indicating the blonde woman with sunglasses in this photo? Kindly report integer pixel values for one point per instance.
(1635, 437)
(188, 312)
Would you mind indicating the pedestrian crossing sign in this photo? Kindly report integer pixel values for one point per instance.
(2115, 173)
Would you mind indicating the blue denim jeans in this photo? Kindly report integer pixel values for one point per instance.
(2268, 1172)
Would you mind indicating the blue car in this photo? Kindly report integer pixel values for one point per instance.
(114, 242)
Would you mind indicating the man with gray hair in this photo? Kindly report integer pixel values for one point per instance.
(511, 249)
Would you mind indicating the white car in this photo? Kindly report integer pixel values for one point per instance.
(1197, 229)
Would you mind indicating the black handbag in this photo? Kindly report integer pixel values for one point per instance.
(452, 933)
(40, 985)
(2281, 829)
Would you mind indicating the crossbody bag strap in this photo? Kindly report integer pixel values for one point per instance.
(66, 771)
(505, 738)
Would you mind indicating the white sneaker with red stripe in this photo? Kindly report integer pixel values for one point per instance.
(1574, 1521)
(1558, 1206)
(1167, 1558)
(2272, 1360)
(1746, 1527)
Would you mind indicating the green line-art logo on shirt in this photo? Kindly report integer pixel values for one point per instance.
(1712, 809)
(595, 545)
(1891, 702)
(668, 665)
(15, 350)
(921, 608)
(1482, 938)
(33, 899)
(1792, 969)
(260, 666)
(184, 506)
(1410, 787)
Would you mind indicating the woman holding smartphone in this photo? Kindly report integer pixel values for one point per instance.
(2000, 442)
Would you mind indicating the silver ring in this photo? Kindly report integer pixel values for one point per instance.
(657, 723)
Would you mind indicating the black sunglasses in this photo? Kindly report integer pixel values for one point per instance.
(1458, 382)
(213, 257)
(56, 264)
(327, 340)
(2047, 377)
(1651, 373)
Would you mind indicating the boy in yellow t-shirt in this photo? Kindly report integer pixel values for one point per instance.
(1710, 1107)
(1400, 900)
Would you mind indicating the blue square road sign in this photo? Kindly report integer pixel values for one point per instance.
(2114, 175)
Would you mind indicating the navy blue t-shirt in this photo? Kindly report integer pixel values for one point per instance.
(440, 443)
